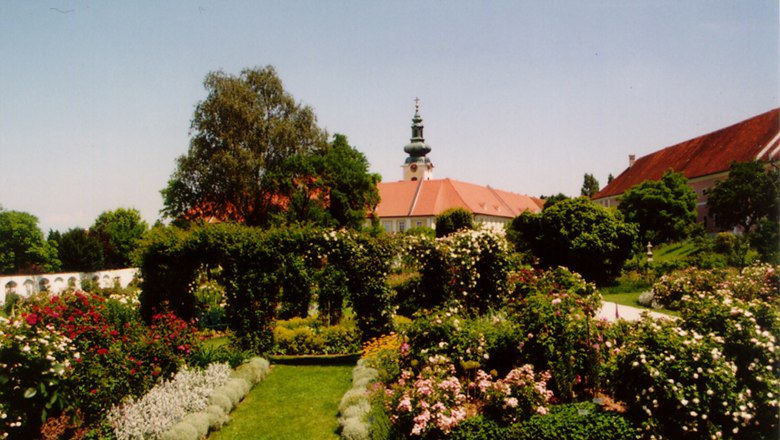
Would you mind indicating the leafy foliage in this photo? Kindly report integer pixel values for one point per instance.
(583, 420)
(22, 245)
(750, 199)
(453, 220)
(79, 251)
(330, 188)
(749, 194)
(119, 231)
(550, 201)
(590, 186)
(262, 269)
(71, 351)
(247, 126)
(576, 233)
(468, 268)
(664, 209)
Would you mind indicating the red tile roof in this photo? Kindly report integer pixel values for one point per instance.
(754, 138)
(427, 198)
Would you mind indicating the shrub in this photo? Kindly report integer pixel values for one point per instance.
(759, 282)
(431, 403)
(747, 333)
(453, 220)
(469, 268)
(579, 234)
(574, 421)
(35, 358)
(677, 383)
(670, 289)
(554, 313)
(479, 428)
(304, 336)
(11, 301)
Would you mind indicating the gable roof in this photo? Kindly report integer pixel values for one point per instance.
(757, 138)
(426, 198)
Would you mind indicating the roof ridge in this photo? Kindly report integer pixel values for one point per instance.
(501, 199)
(457, 193)
(416, 197)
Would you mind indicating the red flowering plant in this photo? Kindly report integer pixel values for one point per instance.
(110, 357)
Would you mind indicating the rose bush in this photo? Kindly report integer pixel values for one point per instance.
(99, 358)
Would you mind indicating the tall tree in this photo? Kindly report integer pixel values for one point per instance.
(119, 232)
(664, 209)
(578, 234)
(747, 196)
(246, 127)
(23, 248)
(331, 188)
(750, 199)
(550, 201)
(79, 251)
(590, 186)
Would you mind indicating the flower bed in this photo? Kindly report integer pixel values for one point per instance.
(189, 405)
(525, 370)
(65, 359)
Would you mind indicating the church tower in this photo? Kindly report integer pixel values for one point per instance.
(417, 166)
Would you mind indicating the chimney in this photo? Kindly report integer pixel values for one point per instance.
(631, 160)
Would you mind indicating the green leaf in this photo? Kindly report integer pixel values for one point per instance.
(30, 392)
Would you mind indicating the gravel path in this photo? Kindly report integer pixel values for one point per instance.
(612, 311)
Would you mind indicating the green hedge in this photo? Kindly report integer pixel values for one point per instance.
(267, 270)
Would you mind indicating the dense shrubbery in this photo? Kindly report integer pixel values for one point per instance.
(266, 270)
(82, 351)
(712, 373)
(760, 281)
(468, 268)
(299, 336)
(579, 234)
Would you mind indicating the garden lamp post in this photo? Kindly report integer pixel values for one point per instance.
(649, 259)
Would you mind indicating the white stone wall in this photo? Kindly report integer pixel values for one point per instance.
(26, 285)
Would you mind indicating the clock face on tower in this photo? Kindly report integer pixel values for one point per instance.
(413, 167)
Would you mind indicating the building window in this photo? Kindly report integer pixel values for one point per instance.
(401, 226)
(419, 223)
(388, 227)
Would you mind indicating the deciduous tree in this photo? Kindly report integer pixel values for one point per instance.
(578, 234)
(79, 251)
(590, 186)
(664, 209)
(119, 232)
(453, 220)
(331, 188)
(750, 199)
(246, 127)
(23, 248)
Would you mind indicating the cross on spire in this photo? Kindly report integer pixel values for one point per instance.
(416, 103)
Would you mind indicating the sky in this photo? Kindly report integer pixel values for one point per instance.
(96, 98)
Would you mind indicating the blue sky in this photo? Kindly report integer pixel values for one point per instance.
(96, 97)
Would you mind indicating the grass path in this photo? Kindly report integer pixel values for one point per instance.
(293, 402)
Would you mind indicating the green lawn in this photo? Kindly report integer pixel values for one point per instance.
(293, 402)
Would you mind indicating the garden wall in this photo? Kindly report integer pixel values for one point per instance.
(26, 285)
